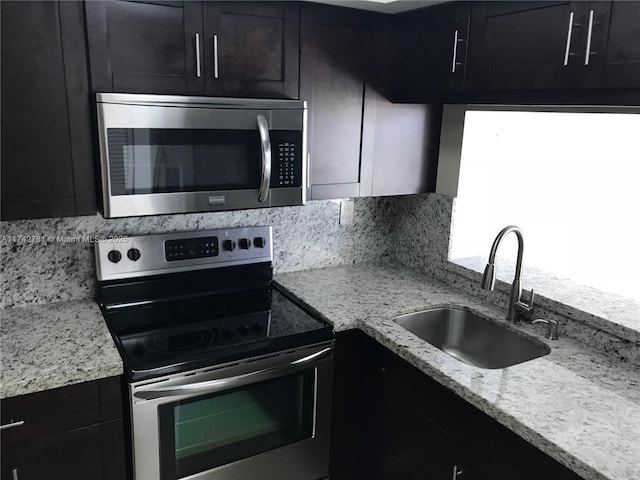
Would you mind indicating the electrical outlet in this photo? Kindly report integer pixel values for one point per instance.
(346, 212)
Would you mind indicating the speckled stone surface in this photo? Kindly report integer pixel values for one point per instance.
(60, 269)
(576, 404)
(50, 346)
(422, 225)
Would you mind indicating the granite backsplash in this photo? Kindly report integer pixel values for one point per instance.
(49, 260)
(412, 230)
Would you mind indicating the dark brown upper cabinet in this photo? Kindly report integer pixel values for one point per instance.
(332, 80)
(47, 168)
(553, 45)
(196, 48)
(526, 45)
(251, 48)
(430, 50)
(621, 65)
(145, 47)
(360, 144)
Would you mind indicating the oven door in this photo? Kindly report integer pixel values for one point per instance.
(266, 418)
(159, 159)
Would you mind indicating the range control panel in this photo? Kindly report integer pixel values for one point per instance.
(188, 248)
(129, 257)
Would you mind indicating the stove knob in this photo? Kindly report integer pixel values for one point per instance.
(243, 330)
(229, 245)
(133, 254)
(114, 256)
(245, 243)
(259, 242)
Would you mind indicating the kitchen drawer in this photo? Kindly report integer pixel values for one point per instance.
(61, 409)
(50, 412)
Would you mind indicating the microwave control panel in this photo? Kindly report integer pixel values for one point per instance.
(286, 160)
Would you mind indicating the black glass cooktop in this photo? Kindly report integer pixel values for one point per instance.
(169, 336)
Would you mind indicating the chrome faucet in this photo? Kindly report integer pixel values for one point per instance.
(517, 308)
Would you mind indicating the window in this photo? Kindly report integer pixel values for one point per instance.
(569, 178)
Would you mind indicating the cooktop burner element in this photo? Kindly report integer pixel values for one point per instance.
(179, 339)
(172, 316)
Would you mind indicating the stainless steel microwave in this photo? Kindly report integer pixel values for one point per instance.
(171, 154)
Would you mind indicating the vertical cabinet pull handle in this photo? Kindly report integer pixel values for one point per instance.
(456, 473)
(569, 32)
(14, 474)
(215, 56)
(198, 67)
(587, 53)
(455, 51)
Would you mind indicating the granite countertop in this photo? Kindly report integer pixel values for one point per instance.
(576, 404)
(54, 345)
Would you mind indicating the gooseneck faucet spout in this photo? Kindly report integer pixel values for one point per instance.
(516, 306)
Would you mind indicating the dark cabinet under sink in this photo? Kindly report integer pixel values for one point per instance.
(393, 421)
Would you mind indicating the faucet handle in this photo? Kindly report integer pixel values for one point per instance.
(525, 309)
(532, 297)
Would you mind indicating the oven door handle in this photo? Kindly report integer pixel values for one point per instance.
(212, 386)
(265, 146)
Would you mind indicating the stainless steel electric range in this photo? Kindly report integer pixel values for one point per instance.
(228, 377)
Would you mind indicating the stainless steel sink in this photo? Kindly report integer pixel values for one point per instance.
(472, 339)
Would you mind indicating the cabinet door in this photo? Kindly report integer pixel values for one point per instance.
(332, 80)
(502, 455)
(413, 447)
(47, 167)
(622, 60)
(251, 49)
(145, 47)
(525, 45)
(430, 49)
(73, 455)
(399, 147)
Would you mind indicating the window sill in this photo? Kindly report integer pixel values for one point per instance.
(606, 311)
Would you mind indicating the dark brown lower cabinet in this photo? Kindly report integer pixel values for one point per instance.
(391, 420)
(69, 433)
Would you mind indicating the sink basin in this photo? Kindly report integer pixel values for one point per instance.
(472, 339)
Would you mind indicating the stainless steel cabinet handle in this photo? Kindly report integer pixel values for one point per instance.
(215, 56)
(11, 425)
(14, 474)
(265, 144)
(198, 68)
(456, 473)
(225, 383)
(308, 169)
(569, 32)
(455, 51)
(587, 53)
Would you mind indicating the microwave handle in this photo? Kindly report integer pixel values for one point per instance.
(212, 386)
(265, 145)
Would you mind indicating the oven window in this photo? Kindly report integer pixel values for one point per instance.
(205, 432)
(143, 160)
